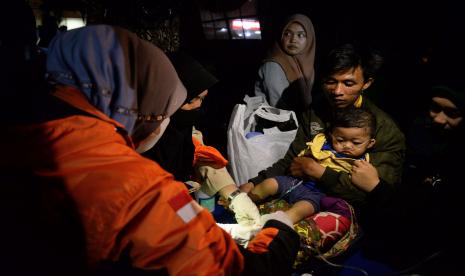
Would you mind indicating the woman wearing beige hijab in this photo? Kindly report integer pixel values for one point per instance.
(287, 74)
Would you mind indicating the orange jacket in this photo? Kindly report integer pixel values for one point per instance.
(128, 204)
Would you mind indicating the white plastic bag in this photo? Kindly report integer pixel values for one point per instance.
(248, 156)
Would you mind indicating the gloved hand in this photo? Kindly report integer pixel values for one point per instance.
(278, 215)
(240, 233)
(245, 211)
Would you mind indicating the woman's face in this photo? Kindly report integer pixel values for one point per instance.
(445, 113)
(294, 39)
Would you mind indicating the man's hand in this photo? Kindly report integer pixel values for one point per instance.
(364, 175)
(306, 166)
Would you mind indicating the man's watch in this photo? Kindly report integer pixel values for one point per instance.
(233, 195)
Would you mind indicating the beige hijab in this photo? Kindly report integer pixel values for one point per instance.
(299, 67)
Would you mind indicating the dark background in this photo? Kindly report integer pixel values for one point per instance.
(420, 42)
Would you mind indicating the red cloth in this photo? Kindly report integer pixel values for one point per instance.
(332, 228)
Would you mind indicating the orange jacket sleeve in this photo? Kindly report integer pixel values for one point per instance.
(208, 154)
(174, 233)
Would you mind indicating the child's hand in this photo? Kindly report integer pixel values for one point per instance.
(306, 167)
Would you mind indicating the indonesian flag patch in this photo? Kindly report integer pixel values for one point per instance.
(186, 208)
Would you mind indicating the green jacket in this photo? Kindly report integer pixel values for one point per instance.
(387, 155)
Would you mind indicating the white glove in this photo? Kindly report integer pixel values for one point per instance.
(279, 216)
(240, 233)
(245, 211)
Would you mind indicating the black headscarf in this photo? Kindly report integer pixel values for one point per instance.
(455, 92)
(175, 150)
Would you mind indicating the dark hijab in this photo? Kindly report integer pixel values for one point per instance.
(129, 79)
(175, 150)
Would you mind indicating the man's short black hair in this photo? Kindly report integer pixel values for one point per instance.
(350, 56)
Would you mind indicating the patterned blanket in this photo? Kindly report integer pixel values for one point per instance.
(325, 234)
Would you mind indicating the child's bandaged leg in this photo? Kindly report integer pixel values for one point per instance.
(245, 210)
(213, 180)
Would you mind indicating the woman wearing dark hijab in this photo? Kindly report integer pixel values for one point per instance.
(181, 142)
(287, 74)
(112, 93)
(398, 220)
(175, 150)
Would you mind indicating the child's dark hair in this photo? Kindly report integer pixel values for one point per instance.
(354, 117)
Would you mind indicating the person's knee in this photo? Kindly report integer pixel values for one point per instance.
(263, 190)
(271, 186)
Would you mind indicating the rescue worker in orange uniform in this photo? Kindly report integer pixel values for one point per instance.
(113, 93)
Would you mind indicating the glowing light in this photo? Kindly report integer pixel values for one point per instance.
(72, 23)
(246, 24)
